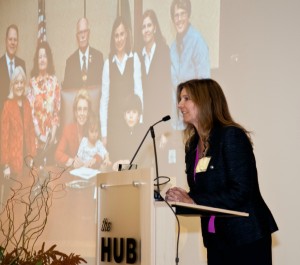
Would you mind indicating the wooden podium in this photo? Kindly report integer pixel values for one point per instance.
(125, 217)
(132, 228)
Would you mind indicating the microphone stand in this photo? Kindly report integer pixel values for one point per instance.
(157, 193)
(130, 163)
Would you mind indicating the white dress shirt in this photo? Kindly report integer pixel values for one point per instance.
(138, 90)
(148, 58)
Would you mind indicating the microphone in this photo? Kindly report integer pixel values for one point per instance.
(151, 129)
(166, 118)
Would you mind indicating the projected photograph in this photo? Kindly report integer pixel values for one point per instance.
(82, 82)
(94, 61)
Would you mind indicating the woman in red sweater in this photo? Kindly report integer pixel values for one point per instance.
(17, 130)
(66, 152)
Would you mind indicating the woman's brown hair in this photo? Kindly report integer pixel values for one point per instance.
(208, 95)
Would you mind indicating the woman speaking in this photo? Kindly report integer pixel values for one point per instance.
(221, 172)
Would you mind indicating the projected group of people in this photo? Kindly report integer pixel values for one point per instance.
(97, 116)
(134, 88)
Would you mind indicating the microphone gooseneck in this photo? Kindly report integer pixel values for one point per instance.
(166, 118)
(151, 129)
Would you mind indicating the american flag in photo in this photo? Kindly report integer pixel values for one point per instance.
(41, 21)
(123, 10)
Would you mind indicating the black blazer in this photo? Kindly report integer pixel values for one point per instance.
(4, 77)
(230, 182)
(73, 76)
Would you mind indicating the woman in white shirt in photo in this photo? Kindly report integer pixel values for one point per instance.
(121, 77)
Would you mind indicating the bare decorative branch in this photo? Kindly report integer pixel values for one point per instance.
(20, 235)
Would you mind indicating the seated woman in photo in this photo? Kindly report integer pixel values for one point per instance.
(66, 151)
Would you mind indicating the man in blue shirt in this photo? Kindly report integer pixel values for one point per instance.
(189, 52)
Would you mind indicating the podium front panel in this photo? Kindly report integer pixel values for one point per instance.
(125, 217)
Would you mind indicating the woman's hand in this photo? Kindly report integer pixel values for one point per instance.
(77, 162)
(106, 162)
(6, 172)
(52, 140)
(53, 133)
(104, 141)
(70, 162)
(43, 138)
(90, 163)
(177, 194)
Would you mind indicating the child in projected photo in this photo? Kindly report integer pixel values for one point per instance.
(91, 150)
(130, 133)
